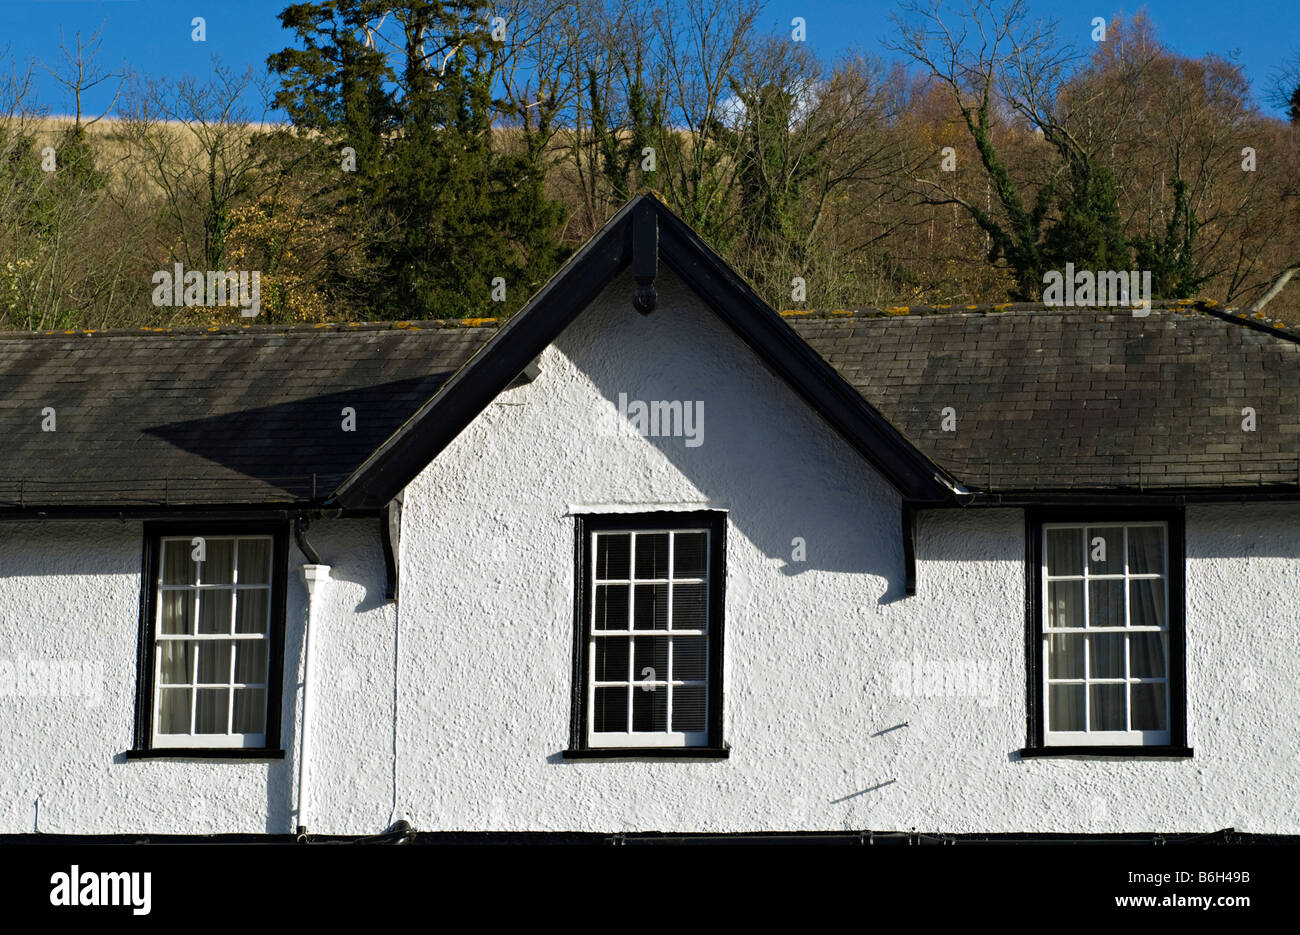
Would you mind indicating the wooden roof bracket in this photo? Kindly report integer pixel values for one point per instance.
(909, 549)
(390, 532)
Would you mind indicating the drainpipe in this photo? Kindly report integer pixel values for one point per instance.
(316, 576)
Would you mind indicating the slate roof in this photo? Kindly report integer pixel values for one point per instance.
(1077, 400)
(247, 415)
(1044, 400)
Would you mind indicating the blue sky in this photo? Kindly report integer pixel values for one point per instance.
(153, 36)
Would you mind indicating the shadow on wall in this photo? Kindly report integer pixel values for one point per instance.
(1243, 530)
(794, 489)
(353, 548)
(45, 548)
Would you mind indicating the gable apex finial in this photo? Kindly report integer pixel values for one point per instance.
(645, 255)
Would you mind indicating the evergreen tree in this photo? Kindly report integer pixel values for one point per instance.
(771, 177)
(448, 207)
(1087, 231)
(1170, 260)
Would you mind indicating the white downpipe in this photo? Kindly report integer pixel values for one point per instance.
(316, 578)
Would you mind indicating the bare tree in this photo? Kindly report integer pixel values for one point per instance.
(191, 140)
(702, 43)
(997, 67)
(79, 75)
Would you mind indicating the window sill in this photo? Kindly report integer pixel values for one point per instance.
(206, 753)
(1171, 753)
(648, 753)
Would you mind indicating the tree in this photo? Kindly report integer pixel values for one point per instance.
(1284, 92)
(409, 88)
(79, 74)
(999, 69)
(192, 141)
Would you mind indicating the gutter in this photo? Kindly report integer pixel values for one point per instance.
(195, 511)
(1104, 496)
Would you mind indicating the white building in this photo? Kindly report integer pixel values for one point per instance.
(652, 557)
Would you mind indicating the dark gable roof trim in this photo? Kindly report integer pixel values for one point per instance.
(413, 446)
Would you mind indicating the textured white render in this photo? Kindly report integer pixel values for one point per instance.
(816, 652)
(70, 593)
(469, 677)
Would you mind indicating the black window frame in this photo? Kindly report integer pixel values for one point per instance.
(584, 525)
(153, 533)
(1174, 518)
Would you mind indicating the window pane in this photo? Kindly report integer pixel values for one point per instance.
(1146, 550)
(174, 711)
(1064, 656)
(1149, 708)
(690, 607)
(250, 661)
(1147, 655)
(1106, 603)
(690, 654)
(214, 611)
(1065, 551)
(611, 659)
(254, 563)
(652, 555)
(611, 709)
(690, 551)
(688, 707)
(1106, 550)
(613, 555)
(1065, 604)
(650, 653)
(1107, 710)
(1147, 602)
(176, 610)
(211, 710)
(174, 661)
(219, 568)
(214, 661)
(178, 567)
(251, 606)
(1065, 702)
(611, 607)
(1107, 655)
(250, 711)
(650, 708)
(650, 606)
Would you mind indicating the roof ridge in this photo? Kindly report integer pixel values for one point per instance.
(982, 308)
(428, 324)
(1258, 321)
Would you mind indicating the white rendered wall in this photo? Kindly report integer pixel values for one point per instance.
(823, 657)
(70, 594)
(820, 655)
